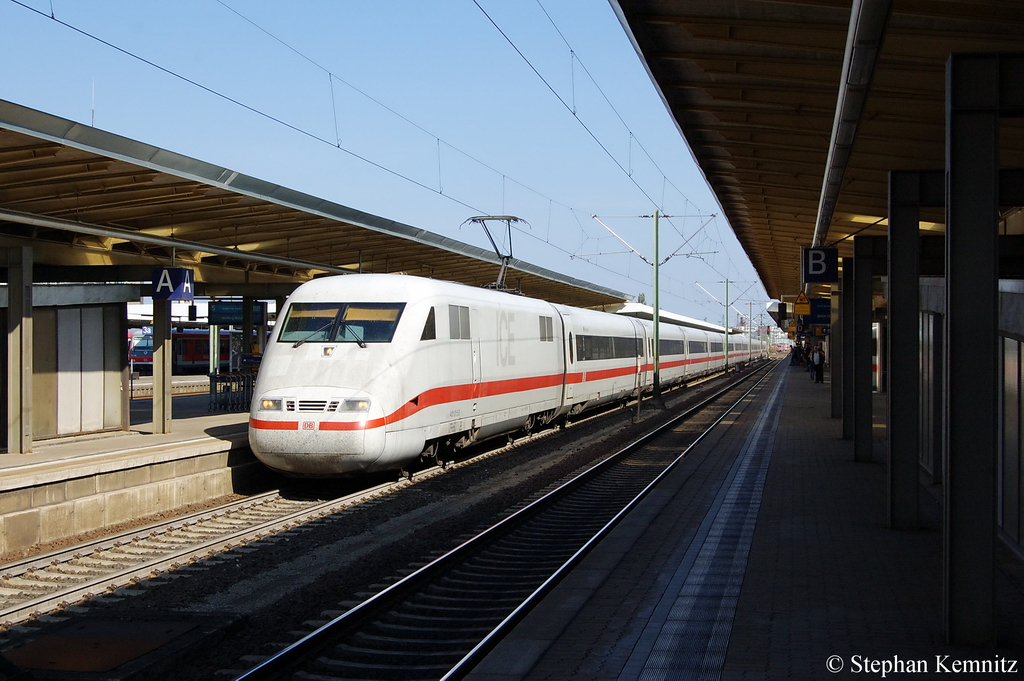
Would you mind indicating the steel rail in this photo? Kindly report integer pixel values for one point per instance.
(303, 648)
(198, 549)
(472, 658)
(173, 558)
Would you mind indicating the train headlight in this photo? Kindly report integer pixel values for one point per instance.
(271, 405)
(355, 405)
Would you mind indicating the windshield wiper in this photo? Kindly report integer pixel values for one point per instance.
(300, 342)
(359, 341)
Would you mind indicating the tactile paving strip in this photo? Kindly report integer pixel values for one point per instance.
(688, 634)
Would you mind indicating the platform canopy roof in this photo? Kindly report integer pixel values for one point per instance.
(796, 147)
(84, 197)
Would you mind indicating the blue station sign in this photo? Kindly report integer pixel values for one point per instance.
(230, 313)
(819, 265)
(173, 283)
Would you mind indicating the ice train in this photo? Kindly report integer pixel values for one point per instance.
(369, 372)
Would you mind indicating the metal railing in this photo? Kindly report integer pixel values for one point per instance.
(231, 391)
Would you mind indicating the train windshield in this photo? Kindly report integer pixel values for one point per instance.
(341, 322)
(143, 346)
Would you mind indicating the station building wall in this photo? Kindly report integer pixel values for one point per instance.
(80, 360)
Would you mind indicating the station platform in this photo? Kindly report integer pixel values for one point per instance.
(784, 568)
(69, 487)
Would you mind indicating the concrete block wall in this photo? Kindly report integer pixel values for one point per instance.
(97, 497)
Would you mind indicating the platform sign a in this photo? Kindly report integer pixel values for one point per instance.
(173, 283)
(819, 265)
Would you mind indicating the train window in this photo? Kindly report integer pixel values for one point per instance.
(340, 322)
(672, 347)
(143, 347)
(458, 322)
(309, 322)
(697, 347)
(547, 329)
(716, 346)
(368, 323)
(429, 330)
(606, 347)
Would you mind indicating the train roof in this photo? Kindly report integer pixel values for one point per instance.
(641, 311)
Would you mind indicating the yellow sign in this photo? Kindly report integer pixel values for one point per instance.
(802, 305)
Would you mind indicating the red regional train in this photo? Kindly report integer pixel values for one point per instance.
(191, 350)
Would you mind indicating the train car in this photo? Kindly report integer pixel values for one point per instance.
(191, 349)
(605, 359)
(368, 372)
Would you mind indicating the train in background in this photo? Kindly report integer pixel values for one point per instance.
(370, 372)
(191, 350)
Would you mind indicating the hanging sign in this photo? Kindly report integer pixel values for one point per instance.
(819, 265)
(802, 306)
(230, 313)
(173, 283)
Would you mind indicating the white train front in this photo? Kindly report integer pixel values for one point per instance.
(369, 372)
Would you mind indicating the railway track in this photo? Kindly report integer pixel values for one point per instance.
(44, 583)
(37, 585)
(438, 621)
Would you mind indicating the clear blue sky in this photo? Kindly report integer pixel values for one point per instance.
(421, 112)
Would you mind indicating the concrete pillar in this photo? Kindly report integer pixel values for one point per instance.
(214, 343)
(835, 351)
(847, 354)
(971, 347)
(904, 349)
(163, 356)
(247, 326)
(262, 328)
(19, 349)
(863, 266)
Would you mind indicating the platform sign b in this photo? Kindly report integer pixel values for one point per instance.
(819, 265)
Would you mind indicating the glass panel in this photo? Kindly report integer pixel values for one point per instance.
(340, 322)
(453, 322)
(1010, 510)
(429, 332)
(368, 323)
(309, 322)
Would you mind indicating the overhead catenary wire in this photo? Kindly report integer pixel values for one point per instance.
(241, 104)
(567, 106)
(439, 189)
(593, 80)
(505, 178)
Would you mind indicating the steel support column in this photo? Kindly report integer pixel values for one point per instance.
(863, 271)
(163, 354)
(847, 352)
(835, 351)
(19, 349)
(904, 348)
(971, 348)
(247, 326)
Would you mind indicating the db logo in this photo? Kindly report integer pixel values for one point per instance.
(309, 425)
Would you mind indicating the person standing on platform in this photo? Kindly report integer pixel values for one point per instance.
(818, 364)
